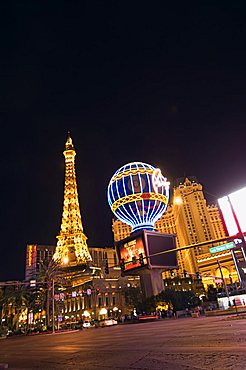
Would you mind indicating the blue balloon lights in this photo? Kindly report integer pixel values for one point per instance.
(138, 195)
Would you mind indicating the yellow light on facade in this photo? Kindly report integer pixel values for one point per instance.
(103, 311)
(86, 314)
(178, 201)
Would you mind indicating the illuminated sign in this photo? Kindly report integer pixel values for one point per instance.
(131, 250)
(32, 283)
(150, 245)
(158, 180)
(239, 300)
(31, 254)
(221, 248)
(237, 201)
(138, 195)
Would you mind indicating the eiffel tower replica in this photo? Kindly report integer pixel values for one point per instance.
(72, 253)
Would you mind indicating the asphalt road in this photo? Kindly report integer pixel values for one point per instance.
(189, 343)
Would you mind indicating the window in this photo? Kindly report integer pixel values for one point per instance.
(99, 301)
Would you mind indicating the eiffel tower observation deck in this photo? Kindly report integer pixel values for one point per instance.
(71, 251)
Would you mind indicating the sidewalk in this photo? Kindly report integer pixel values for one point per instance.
(230, 311)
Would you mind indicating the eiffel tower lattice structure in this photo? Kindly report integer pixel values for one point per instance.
(71, 249)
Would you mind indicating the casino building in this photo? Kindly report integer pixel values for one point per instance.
(93, 293)
(192, 221)
(92, 285)
(98, 296)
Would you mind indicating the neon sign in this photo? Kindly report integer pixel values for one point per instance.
(158, 180)
(138, 195)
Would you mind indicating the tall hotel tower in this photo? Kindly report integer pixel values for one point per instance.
(189, 218)
(71, 246)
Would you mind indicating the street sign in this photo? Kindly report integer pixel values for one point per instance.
(221, 248)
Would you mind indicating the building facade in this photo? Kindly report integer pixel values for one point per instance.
(36, 255)
(192, 221)
(98, 295)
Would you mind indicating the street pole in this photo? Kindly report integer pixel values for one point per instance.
(226, 289)
(53, 306)
(235, 305)
(234, 257)
(241, 235)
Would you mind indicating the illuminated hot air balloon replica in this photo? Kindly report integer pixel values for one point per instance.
(138, 195)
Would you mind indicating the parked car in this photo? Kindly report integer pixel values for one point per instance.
(86, 324)
(107, 322)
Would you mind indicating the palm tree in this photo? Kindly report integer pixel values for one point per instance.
(1, 303)
(13, 301)
(49, 274)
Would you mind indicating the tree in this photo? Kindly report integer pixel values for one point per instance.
(133, 296)
(134, 299)
(1, 303)
(13, 301)
(212, 293)
(49, 274)
(147, 305)
(180, 300)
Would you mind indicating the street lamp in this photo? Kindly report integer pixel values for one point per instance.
(53, 306)
(225, 285)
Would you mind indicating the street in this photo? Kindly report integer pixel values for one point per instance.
(188, 344)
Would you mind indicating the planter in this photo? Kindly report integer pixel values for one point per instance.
(195, 314)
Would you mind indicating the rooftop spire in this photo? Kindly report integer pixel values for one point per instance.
(69, 142)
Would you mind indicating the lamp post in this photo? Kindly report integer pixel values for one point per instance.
(226, 289)
(53, 306)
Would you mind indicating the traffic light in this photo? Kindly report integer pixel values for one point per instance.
(122, 264)
(106, 267)
(172, 273)
(185, 273)
(141, 259)
(198, 275)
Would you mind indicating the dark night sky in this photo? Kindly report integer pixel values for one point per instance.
(132, 82)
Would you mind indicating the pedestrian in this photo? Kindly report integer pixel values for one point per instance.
(174, 313)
